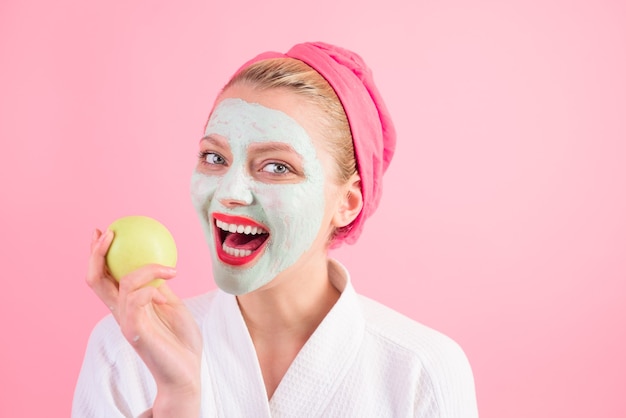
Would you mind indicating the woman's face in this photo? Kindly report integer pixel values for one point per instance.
(263, 187)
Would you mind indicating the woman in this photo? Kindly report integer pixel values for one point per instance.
(290, 164)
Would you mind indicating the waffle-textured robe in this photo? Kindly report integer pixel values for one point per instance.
(364, 360)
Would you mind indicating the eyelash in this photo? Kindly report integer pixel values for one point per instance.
(202, 155)
(287, 168)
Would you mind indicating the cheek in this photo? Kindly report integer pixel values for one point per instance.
(202, 189)
(293, 206)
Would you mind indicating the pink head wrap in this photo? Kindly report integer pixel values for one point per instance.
(373, 133)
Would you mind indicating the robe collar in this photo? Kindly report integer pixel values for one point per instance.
(312, 378)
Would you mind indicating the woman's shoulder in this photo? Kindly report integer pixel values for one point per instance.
(435, 351)
(434, 359)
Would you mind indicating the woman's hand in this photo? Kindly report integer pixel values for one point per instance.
(157, 324)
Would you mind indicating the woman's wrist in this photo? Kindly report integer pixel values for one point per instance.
(179, 402)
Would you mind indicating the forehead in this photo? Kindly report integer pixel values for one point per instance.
(298, 108)
(242, 123)
(235, 118)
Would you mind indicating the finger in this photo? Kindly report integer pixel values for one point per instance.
(133, 313)
(169, 296)
(141, 278)
(94, 237)
(145, 275)
(97, 263)
(180, 318)
(103, 285)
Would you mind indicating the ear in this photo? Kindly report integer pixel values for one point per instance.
(351, 202)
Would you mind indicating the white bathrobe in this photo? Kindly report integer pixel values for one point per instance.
(364, 360)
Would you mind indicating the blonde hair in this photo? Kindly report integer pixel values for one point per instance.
(299, 78)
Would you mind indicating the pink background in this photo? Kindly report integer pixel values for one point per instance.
(503, 221)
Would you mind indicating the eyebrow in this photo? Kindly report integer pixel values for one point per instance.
(213, 140)
(272, 147)
(258, 147)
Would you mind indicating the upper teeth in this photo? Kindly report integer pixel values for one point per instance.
(241, 229)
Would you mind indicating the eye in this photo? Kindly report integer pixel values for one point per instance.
(276, 168)
(212, 158)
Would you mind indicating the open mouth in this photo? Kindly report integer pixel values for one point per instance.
(238, 240)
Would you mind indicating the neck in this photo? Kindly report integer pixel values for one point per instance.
(292, 305)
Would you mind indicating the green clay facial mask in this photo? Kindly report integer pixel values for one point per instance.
(286, 216)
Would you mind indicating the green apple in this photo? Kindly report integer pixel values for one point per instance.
(139, 240)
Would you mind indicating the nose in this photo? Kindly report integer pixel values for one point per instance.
(235, 189)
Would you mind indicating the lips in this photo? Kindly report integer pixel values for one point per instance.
(238, 240)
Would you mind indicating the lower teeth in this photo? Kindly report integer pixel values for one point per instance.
(236, 252)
